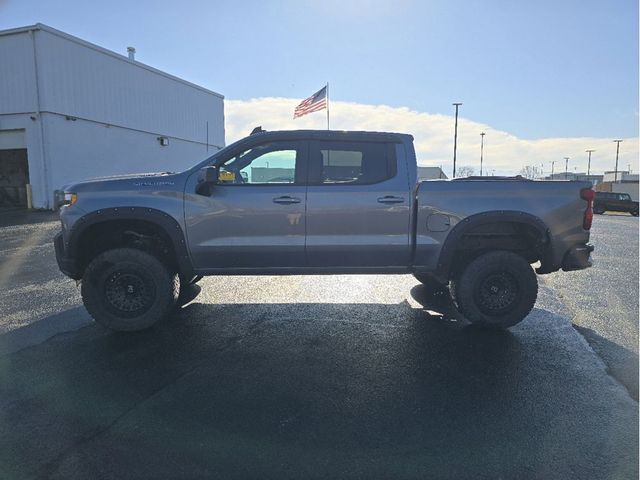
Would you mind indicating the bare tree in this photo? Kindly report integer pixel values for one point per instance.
(531, 172)
(465, 171)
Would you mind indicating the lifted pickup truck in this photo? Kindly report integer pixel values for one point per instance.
(318, 202)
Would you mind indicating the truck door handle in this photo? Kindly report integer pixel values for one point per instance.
(390, 199)
(286, 200)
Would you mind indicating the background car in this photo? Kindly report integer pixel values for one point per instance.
(614, 202)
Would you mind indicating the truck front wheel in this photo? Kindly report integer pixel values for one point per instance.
(127, 289)
(497, 289)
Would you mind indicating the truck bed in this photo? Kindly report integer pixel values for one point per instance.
(555, 204)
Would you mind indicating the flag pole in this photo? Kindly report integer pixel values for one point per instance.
(327, 105)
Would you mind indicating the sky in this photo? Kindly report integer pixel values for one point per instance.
(544, 80)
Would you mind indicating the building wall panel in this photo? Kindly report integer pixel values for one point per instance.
(86, 82)
(79, 150)
(17, 78)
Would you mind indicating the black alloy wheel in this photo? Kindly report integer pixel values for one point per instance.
(126, 289)
(497, 293)
(129, 293)
(497, 289)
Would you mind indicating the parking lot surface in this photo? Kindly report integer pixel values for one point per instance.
(310, 377)
(603, 300)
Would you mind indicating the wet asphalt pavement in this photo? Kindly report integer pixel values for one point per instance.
(603, 300)
(317, 377)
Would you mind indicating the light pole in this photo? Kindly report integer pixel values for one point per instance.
(589, 164)
(482, 134)
(553, 164)
(566, 167)
(615, 175)
(455, 138)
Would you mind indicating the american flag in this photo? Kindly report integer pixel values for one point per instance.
(315, 102)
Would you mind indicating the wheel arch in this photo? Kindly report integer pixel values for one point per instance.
(454, 240)
(128, 220)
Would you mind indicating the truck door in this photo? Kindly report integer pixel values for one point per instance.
(254, 217)
(358, 205)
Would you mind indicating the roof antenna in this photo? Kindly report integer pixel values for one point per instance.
(258, 129)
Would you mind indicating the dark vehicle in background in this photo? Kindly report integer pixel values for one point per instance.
(614, 202)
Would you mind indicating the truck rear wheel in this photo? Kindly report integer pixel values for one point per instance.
(497, 289)
(127, 289)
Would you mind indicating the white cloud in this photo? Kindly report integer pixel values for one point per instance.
(433, 134)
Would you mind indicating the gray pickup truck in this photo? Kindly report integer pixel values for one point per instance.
(318, 202)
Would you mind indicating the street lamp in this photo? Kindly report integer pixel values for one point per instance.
(482, 134)
(566, 167)
(455, 138)
(553, 164)
(615, 177)
(589, 164)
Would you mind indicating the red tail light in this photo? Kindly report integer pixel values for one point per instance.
(587, 194)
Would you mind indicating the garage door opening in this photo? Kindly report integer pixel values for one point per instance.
(14, 176)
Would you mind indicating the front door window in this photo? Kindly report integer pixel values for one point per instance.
(271, 163)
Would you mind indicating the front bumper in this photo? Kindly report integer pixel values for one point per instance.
(577, 258)
(66, 264)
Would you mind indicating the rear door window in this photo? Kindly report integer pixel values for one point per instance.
(340, 163)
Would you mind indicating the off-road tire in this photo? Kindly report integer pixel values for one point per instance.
(497, 289)
(598, 210)
(125, 289)
(634, 213)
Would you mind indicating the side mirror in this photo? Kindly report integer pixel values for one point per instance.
(207, 176)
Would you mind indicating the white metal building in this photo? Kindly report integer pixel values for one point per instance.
(430, 173)
(575, 176)
(70, 110)
(620, 176)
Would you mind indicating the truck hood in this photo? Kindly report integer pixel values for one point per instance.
(130, 181)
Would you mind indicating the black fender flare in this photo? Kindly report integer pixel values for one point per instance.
(151, 215)
(447, 253)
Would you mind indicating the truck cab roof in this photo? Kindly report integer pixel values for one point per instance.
(346, 135)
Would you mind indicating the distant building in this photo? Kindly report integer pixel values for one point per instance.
(627, 183)
(71, 110)
(621, 176)
(430, 173)
(579, 176)
(266, 175)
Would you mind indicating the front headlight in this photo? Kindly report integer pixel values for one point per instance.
(70, 198)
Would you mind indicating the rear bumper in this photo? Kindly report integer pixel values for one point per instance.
(66, 264)
(578, 258)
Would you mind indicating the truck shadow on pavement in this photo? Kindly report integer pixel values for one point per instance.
(625, 369)
(316, 390)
